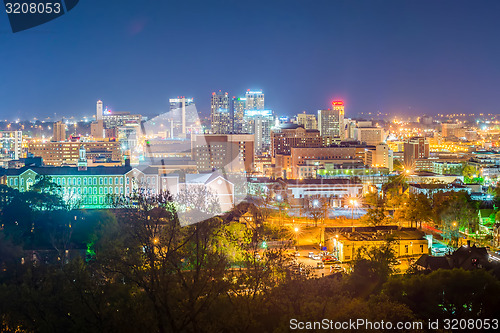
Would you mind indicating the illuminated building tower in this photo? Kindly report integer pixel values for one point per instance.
(97, 127)
(415, 148)
(176, 105)
(308, 121)
(59, 131)
(221, 113)
(239, 105)
(99, 110)
(254, 100)
(331, 121)
(11, 145)
(82, 159)
(259, 123)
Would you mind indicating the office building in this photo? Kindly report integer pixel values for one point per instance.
(449, 130)
(59, 131)
(379, 156)
(179, 116)
(308, 121)
(293, 136)
(259, 123)
(11, 145)
(67, 152)
(415, 148)
(239, 105)
(254, 100)
(369, 135)
(221, 113)
(231, 152)
(331, 121)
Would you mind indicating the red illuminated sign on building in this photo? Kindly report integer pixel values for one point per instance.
(338, 103)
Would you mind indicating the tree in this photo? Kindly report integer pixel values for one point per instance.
(447, 294)
(417, 209)
(371, 267)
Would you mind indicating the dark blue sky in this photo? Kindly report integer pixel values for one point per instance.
(411, 56)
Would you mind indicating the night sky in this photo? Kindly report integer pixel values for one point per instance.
(411, 57)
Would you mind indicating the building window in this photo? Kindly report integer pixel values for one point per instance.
(84, 181)
(15, 181)
(128, 181)
(121, 181)
(421, 248)
(406, 248)
(84, 190)
(79, 190)
(95, 180)
(95, 200)
(79, 181)
(22, 181)
(111, 190)
(116, 189)
(105, 190)
(105, 181)
(58, 181)
(100, 180)
(110, 180)
(121, 190)
(95, 190)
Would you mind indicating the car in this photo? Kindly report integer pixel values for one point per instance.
(331, 261)
(311, 254)
(316, 257)
(320, 265)
(297, 254)
(257, 256)
(336, 269)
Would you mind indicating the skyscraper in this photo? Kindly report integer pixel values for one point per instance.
(239, 104)
(254, 100)
(222, 120)
(97, 127)
(331, 121)
(178, 121)
(259, 123)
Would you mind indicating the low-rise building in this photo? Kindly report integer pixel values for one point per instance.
(348, 245)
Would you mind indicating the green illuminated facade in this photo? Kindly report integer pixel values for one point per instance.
(89, 187)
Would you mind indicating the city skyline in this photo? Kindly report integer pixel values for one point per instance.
(438, 56)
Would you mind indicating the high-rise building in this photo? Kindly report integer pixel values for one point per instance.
(99, 112)
(59, 131)
(239, 105)
(222, 120)
(331, 121)
(259, 123)
(97, 127)
(254, 100)
(415, 148)
(308, 121)
(11, 144)
(179, 116)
